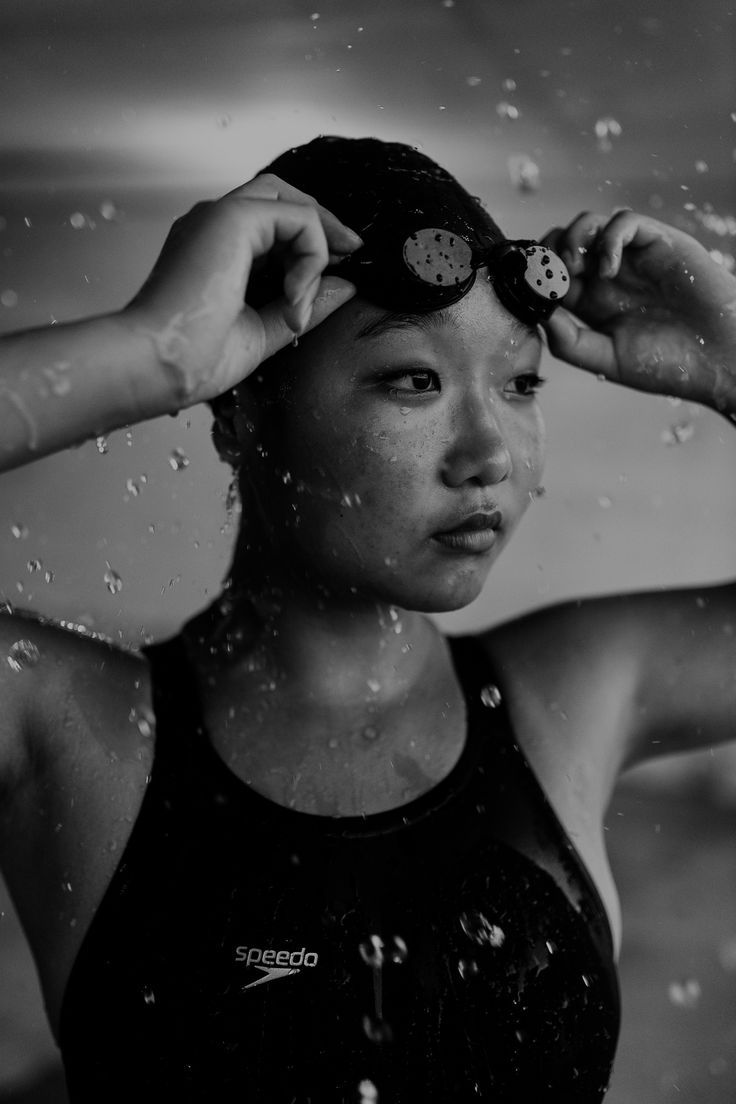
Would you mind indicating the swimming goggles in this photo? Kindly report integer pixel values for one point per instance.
(432, 268)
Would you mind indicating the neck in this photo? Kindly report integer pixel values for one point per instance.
(325, 650)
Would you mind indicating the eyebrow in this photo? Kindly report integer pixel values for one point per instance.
(403, 320)
(428, 321)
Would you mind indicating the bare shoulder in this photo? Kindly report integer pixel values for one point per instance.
(76, 743)
(569, 674)
(58, 685)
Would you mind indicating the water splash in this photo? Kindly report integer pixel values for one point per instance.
(178, 460)
(371, 951)
(467, 967)
(479, 928)
(368, 1092)
(377, 1030)
(22, 654)
(144, 719)
(490, 695)
(677, 434)
(685, 994)
(112, 580)
(607, 128)
(524, 172)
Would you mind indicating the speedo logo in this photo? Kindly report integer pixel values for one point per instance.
(275, 964)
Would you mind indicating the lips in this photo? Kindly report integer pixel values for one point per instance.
(476, 533)
(476, 523)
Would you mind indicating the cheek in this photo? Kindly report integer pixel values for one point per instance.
(531, 446)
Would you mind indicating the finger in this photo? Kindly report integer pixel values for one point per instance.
(332, 292)
(341, 239)
(576, 241)
(578, 345)
(297, 233)
(625, 228)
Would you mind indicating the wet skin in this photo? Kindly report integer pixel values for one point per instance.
(362, 447)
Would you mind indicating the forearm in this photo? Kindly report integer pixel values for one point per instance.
(64, 384)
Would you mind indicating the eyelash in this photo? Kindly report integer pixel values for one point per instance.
(533, 381)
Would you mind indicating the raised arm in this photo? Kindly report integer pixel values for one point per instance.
(650, 309)
(188, 335)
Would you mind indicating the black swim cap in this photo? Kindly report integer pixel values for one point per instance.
(425, 236)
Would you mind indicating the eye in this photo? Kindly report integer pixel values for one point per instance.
(526, 385)
(420, 382)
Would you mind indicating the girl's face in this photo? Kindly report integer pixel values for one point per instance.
(385, 437)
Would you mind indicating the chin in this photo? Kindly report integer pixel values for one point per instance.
(438, 595)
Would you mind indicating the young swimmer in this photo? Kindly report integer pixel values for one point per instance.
(358, 859)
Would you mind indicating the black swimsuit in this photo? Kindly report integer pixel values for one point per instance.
(450, 951)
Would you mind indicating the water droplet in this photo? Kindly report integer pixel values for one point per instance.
(112, 580)
(701, 166)
(490, 695)
(677, 434)
(607, 128)
(101, 445)
(373, 685)
(314, 16)
(368, 1092)
(524, 172)
(20, 532)
(149, 996)
(295, 341)
(605, 502)
(77, 221)
(23, 653)
(9, 298)
(144, 719)
(370, 733)
(398, 951)
(467, 967)
(48, 576)
(224, 121)
(377, 1030)
(684, 994)
(371, 951)
(507, 110)
(404, 410)
(333, 742)
(108, 210)
(473, 81)
(478, 928)
(178, 460)
(508, 85)
(33, 566)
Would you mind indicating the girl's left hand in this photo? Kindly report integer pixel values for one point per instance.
(648, 307)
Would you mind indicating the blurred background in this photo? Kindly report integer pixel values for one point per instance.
(118, 117)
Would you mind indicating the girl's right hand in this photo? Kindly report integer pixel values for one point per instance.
(193, 306)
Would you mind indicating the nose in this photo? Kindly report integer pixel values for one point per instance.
(477, 451)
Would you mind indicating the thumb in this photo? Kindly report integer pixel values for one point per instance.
(333, 292)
